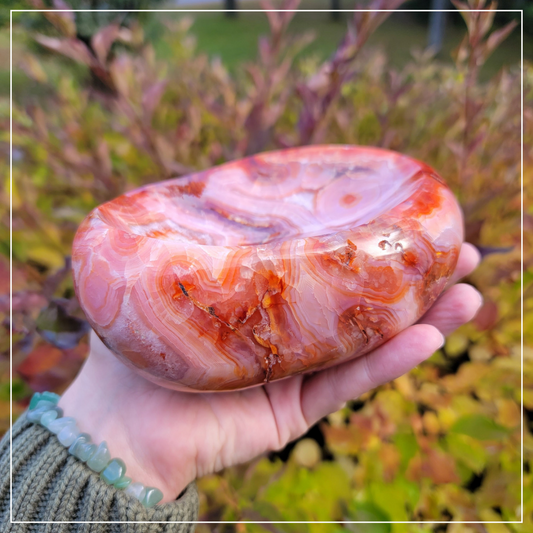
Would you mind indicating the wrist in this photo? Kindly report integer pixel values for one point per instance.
(105, 404)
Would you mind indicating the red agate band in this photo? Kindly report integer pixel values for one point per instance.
(277, 264)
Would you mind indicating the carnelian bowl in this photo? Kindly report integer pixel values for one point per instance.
(266, 267)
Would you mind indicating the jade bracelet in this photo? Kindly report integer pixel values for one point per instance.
(43, 410)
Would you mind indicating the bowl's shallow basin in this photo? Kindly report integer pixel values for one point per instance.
(262, 268)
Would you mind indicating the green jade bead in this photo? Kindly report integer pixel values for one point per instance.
(114, 471)
(83, 438)
(85, 451)
(44, 403)
(43, 396)
(34, 399)
(123, 482)
(50, 397)
(100, 459)
(59, 423)
(35, 415)
(50, 415)
(57, 410)
(152, 496)
(68, 435)
(136, 490)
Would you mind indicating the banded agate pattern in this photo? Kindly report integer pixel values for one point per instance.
(262, 268)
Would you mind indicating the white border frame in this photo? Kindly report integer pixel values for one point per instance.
(521, 11)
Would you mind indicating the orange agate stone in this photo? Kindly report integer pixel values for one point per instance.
(273, 265)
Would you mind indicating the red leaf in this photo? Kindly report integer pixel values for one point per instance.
(487, 316)
(435, 465)
(72, 48)
(498, 36)
(40, 360)
(23, 302)
(101, 42)
(473, 230)
(152, 96)
(486, 19)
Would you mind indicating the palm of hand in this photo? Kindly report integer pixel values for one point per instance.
(173, 437)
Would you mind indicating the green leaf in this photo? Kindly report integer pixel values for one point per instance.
(456, 344)
(303, 494)
(20, 390)
(467, 450)
(407, 446)
(480, 427)
(528, 279)
(396, 497)
(46, 256)
(368, 512)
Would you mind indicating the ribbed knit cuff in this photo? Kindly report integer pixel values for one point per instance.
(50, 484)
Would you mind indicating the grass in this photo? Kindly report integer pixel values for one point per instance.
(235, 39)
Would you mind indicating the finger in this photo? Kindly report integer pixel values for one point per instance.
(469, 259)
(327, 391)
(455, 307)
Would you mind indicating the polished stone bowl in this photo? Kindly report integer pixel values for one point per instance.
(265, 267)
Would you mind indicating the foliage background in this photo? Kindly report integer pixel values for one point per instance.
(105, 110)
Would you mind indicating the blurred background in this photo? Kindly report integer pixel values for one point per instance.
(105, 102)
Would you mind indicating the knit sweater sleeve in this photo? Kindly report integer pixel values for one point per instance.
(50, 484)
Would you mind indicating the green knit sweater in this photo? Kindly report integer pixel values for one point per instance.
(49, 484)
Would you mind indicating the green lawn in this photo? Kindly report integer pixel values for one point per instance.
(235, 39)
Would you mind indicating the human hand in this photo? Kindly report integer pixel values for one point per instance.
(169, 438)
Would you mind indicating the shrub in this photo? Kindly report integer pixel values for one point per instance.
(440, 443)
